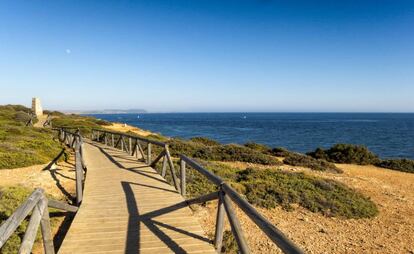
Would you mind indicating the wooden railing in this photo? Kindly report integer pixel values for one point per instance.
(226, 195)
(135, 146)
(74, 140)
(37, 204)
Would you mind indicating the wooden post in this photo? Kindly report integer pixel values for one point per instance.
(106, 139)
(113, 140)
(171, 164)
(218, 237)
(97, 135)
(31, 231)
(122, 143)
(182, 175)
(130, 146)
(141, 150)
(46, 230)
(235, 225)
(79, 176)
(164, 166)
(149, 153)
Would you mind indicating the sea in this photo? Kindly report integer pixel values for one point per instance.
(390, 135)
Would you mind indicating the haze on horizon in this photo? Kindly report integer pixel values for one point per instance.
(209, 56)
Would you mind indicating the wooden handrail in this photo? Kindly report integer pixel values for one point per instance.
(227, 193)
(155, 142)
(134, 148)
(74, 140)
(37, 204)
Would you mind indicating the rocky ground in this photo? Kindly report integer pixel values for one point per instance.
(392, 231)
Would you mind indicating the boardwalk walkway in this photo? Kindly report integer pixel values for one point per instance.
(129, 208)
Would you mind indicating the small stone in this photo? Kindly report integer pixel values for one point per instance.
(322, 230)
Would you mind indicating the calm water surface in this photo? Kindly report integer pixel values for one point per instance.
(387, 134)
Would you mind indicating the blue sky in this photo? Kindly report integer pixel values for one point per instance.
(210, 55)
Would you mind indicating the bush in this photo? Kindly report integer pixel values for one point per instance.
(346, 153)
(295, 159)
(22, 117)
(403, 165)
(84, 123)
(205, 141)
(280, 152)
(235, 153)
(229, 152)
(258, 147)
(269, 188)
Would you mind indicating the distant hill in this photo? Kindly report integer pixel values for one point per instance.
(108, 111)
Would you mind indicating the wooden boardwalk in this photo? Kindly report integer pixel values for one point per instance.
(129, 208)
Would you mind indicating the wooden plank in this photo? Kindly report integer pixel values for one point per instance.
(10, 225)
(46, 229)
(32, 228)
(62, 206)
(182, 177)
(128, 207)
(218, 236)
(235, 224)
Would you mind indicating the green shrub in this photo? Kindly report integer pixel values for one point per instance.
(346, 153)
(269, 188)
(229, 243)
(205, 141)
(295, 159)
(84, 123)
(229, 152)
(280, 152)
(258, 147)
(404, 165)
(235, 153)
(22, 146)
(53, 113)
(22, 117)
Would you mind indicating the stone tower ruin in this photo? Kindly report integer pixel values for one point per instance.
(37, 107)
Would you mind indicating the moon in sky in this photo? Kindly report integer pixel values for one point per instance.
(68, 51)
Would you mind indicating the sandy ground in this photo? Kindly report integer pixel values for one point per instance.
(125, 128)
(392, 231)
(58, 182)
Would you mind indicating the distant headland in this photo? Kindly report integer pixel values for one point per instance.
(107, 111)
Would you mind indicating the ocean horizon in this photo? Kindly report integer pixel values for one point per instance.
(390, 135)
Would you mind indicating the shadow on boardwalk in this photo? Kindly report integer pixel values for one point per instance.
(133, 238)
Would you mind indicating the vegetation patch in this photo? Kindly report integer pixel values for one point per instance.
(229, 152)
(296, 159)
(10, 199)
(403, 165)
(22, 146)
(258, 147)
(84, 123)
(205, 141)
(229, 243)
(346, 153)
(269, 188)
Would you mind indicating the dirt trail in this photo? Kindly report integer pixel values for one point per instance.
(40, 121)
(58, 182)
